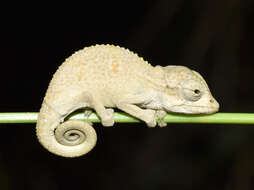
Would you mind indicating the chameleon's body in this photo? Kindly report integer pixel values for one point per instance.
(106, 76)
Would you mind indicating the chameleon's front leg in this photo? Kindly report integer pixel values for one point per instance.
(146, 115)
(129, 104)
(143, 106)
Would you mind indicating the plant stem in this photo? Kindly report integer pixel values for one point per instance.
(218, 118)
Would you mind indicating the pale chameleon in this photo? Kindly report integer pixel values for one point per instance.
(103, 77)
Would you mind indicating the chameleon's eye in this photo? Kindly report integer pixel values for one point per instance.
(197, 91)
(191, 95)
(191, 90)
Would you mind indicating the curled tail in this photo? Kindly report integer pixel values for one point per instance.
(71, 138)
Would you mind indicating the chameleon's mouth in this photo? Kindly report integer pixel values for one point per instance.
(209, 107)
(203, 109)
(196, 109)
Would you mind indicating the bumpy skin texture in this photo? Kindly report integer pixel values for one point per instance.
(102, 77)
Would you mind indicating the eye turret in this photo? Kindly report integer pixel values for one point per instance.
(191, 90)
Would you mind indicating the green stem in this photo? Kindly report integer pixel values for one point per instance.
(218, 118)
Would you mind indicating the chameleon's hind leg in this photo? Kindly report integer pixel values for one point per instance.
(106, 114)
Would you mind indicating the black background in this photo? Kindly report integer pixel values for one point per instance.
(213, 37)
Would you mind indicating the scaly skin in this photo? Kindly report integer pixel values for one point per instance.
(103, 77)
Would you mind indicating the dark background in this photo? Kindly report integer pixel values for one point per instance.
(213, 37)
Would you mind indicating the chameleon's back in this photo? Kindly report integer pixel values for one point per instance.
(103, 62)
(98, 68)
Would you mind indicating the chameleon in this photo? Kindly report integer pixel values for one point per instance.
(104, 77)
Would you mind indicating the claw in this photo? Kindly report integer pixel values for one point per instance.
(160, 114)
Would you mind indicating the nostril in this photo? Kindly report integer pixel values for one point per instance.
(211, 101)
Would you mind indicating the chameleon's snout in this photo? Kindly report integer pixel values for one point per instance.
(215, 106)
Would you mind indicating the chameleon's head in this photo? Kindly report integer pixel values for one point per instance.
(187, 92)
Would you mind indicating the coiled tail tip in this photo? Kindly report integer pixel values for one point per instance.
(72, 138)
